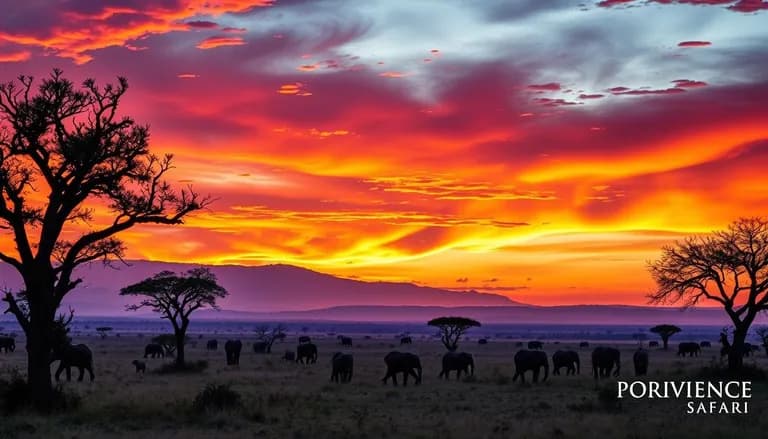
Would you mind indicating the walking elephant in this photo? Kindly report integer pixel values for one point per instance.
(232, 349)
(458, 361)
(533, 361)
(341, 367)
(7, 344)
(308, 352)
(567, 359)
(689, 348)
(154, 350)
(604, 359)
(69, 356)
(640, 359)
(212, 345)
(535, 345)
(402, 362)
(406, 340)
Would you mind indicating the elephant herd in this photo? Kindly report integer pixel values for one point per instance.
(606, 361)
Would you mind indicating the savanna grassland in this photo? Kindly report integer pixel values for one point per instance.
(286, 400)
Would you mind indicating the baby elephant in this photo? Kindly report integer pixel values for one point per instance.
(140, 366)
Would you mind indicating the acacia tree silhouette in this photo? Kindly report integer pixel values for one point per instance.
(175, 297)
(63, 151)
(665, 331)
(452, 328)
(729, 267)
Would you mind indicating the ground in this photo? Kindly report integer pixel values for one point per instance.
(287, 400)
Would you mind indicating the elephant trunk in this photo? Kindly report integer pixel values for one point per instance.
(472, 367)
(546, 370)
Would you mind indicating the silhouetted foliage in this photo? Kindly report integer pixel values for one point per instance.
(216, 397)
(762, 332)
(452, 328)
(268, 335)
(175, 297)
(102, 330)
(62, 148)
(168, 342)
(729, 267)
(665, 332)
(15, 395)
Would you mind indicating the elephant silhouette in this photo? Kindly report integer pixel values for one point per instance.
(341, 367)
(402, 362)
(154, 350)
(232, 349)
(604, 359)
(140, 366)
(689, 348)
(7, 344)
(212, 345)
(458, 361)
(68, 356)
(640, 360)
(308, 352)
(567, 359)
(526, 360)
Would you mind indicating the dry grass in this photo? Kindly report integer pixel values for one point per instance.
(286, 400)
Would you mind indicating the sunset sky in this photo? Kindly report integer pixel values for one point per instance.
(544, 150)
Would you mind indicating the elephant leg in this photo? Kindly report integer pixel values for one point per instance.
(69, 373)
(514, 377)
(405, 378)
(82, 373)
(536, 375)
(58, 371)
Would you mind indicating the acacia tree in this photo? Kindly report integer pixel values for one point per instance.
(64, 151)
(729, 267)
(452, 328)
(175, 297)
(665, 332)
(268, 335)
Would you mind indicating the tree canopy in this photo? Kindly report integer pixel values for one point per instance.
(728, 267)
(665, 332)
(175, 297)
(67, 153)
(452, 328)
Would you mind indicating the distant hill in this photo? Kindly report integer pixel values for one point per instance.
(572, 314)
(266, 288)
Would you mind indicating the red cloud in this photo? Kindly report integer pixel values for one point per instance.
(550, 86)
(749, 6)
(202, 24)
(687, 83)
(694, 44)
(15, 56)
(213, 42)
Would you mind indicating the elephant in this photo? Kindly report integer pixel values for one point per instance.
(749, 348)
(69, 356)
(232, 349)
(405, 340)
(289, 356)
(341, 367)
(458, 361)
(640, 358)
(526, 360)
(402, 362)
(212, 345)
(584, 344)
(519, 344)
(535, 345)
(140, 366)
(705, 344)
(346, 341)
(689, 348)
(567, 359)
(155, 350)
(653, 344)
(8, 344)
(482, 341)
(260, 347)
(306, 351)
(305, 339)
(603, 361)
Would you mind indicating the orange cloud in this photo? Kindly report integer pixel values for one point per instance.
(214, 42)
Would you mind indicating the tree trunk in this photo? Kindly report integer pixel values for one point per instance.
(665, 340)
(180, 335)
(38, 366)
(736, 353)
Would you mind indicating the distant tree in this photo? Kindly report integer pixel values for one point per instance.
(729, 267)
(175, 297)
(269, 335)
(65, 151)
(665, 332)
(762, 332)
(102, 330)
(451, 329)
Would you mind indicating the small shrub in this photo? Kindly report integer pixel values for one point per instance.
(216, 397)
(15, 396)
(608, 398)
